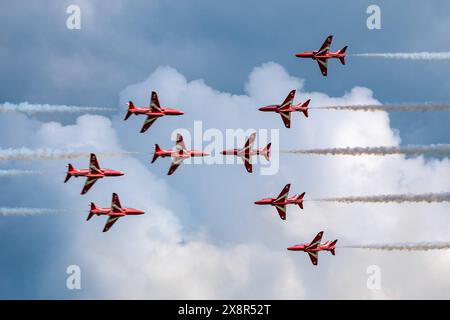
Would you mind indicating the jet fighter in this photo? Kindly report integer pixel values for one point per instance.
(247, 152)
(313, 248)
(178, 155)
(114, 213)
(153, 112)
(282, 200)
(92, 174)
(323, 54)
(287, 107)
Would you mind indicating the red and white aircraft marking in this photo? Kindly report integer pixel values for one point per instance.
(114, 213)
(286, 108)
(313, 248)
(247, 152)
(153, 112)
(323, 54)
(282, 200)
(92, 174)
(178, 155)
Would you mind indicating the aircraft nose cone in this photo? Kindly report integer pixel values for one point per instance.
(291, 248)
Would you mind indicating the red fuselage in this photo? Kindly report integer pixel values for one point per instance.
(87, 173)
(304, 247)
(314, 55)
(110, 212)
(273, 202)
(180, 153)
(164, 111)
(276, 108)
(242, 152)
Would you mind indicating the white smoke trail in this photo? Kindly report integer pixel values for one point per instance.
(25, 107)
(15, 173)
(392, 107)
(420, 246)
(407, 56)
(50, 154)
(4, 211)
(411, 150)
(398, 198)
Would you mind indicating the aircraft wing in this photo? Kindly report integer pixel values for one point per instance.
(154, 102)
(314, 256)
(284, 193)
(247, 148)
(316, 241)
(248, 164)
(93, 164)
(287, 103)
(180, 143)
(250, 141)
(323, 65)
(286, 117)
(175, 164)
(88, 184)
(148, 122)
(281, 211)
(247, 161)
(109, 223)
(325, 46)
(115, 203)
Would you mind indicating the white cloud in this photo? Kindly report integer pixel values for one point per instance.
(235, 249)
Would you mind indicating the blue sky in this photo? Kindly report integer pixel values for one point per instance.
(122, 43)
(222, 43)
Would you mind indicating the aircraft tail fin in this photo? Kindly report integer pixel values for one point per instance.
(129, 113)
(342, 59)
(93, 207)
(305, 106)
(333, 252)
(266, 152)
(68, 175)
(343, 49)
(300, 200)
(155, 155)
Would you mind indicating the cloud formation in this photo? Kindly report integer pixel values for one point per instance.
(198, 241)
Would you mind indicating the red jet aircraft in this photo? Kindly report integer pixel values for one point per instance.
(153, 112)
(92, 174)
(282, 200)
(323, 54)
(114, 213)
(286, 108)
(247, 152)
(178, 155)
(313, 248)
